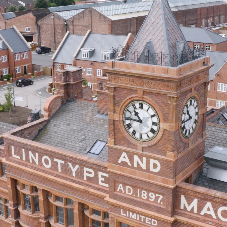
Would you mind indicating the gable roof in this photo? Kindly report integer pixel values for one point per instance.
(14, 40)
(218, 59)
(67, 49)
(159, 34)
(101, 42)
(201, 35)
(68, 14)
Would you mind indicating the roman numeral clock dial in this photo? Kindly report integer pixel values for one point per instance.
(189, 117)
(141, 121)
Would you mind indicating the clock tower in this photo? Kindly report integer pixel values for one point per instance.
(157, 117)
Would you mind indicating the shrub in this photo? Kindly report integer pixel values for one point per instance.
(84, 83)
(6, 77)
(1, 107)
(8, 105)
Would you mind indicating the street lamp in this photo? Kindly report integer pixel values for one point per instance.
(13, 89)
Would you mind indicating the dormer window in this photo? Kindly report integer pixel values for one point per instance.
(107, 55)
(85, 54)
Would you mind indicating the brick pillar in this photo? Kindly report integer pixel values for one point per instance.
(44, 208)
(78, 214)
(111, 114)
(11, 185)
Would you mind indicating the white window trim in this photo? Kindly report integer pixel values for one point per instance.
(27, 29)
(106, 56)
(197, 46)
(221, 87)
(18, 69)
(17, 57)
(89, 71)
(58, 66)
(4, 58)
(220, 104)
(208, 47)
(85, 54)
(5, 71)
(208, 87)
(25, 55)
(99, 72)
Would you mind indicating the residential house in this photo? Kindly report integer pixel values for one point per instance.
(217, 116)
(5, 4)
(15, 54)
(201, 38)
(91, 52)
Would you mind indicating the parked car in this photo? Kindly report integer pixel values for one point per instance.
(34, 115)
(23, 82)
(42, 50)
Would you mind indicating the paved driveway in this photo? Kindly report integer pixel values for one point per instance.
(42, 59)
(32, 96)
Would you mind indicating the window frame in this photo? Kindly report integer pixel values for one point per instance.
(17, 57)
(221, 87)
(85, 54)
(220, 104)
(27, 29)
(197, 46)
(58, 66)
(25, 55)
(99, 72)
(18, 71)
(5, 71)
(89, 71)
(4, 58)
(208, 47)
(106, 56)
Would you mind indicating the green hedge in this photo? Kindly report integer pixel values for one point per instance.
(6, 77)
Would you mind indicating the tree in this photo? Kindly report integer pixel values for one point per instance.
(9, 99)
(12, 9)
(61, 2)
(21, 8)
(41, 4)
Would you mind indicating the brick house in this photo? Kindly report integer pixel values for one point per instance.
(201, 38)
(89, 53)
(16, 57)
(141, 165)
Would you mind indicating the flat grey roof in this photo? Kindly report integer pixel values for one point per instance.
(216, 136)
(76, 127)
(101, 43)
(201, 35)
(8, 15)
(68, 49)
(218, 59)
(14, 40)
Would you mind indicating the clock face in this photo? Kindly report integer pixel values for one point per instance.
(189, 117)
(141, 121)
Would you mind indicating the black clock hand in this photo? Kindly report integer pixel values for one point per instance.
(187, 119)
(128, 118)
(137, 114)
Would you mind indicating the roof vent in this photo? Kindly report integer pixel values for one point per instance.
(97, 147)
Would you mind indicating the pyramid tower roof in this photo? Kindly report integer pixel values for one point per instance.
(160, 40)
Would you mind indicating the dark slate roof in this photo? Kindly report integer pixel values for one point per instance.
(4, 127)
(8, 15)
(14, 40)
(108, 42)
(68, 49)
(4, 4)
(76, 127)
(218, 59)
(38, 13)
(218, 116)
(216, 136)
(201, 35)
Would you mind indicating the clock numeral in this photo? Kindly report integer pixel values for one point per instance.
(129, 125)
(148, 136)
(197, 113)
(133, 132)
(127, 118)
(183, 128)
(153, 115)
(153, 131)
(141, 105)
(154, 123)
(190, 102)
(129, 111)
(134, 106)
(148, 109)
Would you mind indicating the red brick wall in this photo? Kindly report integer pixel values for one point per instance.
(4, 65)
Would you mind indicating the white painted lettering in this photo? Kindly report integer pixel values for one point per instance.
(13, 153)
(154, 222)
(142, 217)
(49, 162)
(120, 187)
(148, 220)
(122, 213)
(124, 158)
(23, 154)
(129, 190)
(154, 166)
(59, 164)
(137, 160)
(73, 169)
(132, 215)
(88, 172)
(101, 179)
(188, 207)
(220, 213)
(35, 158)
(208, 209)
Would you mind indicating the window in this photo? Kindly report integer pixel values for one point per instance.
(58, 66)
(1, 209)
(3, 170)
(89, 71)
(203, 23)
(106, 215)
(18, 69)
(216, 20)
(17, 57)
(26, 187)
(221, 87)
(25, 55)
(196, 46)
(208, 47)
(59, 199)
(220, 104)
(27, 29)
(4, 58)
(27, 202)
(96, 223)
(60, 215)
(69, 202)
(70, 216)
(35, 189)
(96, 149)
(5, 71)
(36, 204)
(124, 225)
(99, 72)
(89, 85)
(85, 54)
(96, 212)
(105, 56)
(4, 209)
(208, 87)
(222, 19)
